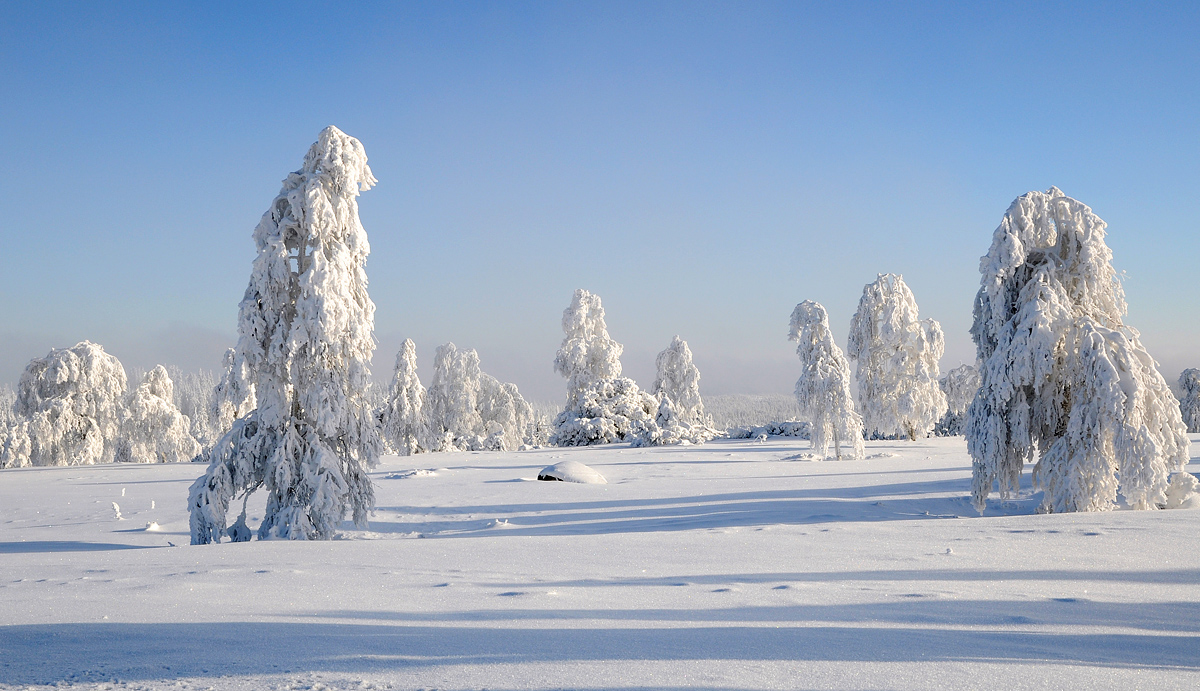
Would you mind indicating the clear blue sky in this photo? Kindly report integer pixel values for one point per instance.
(703, 167)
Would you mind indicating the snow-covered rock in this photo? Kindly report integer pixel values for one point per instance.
(572, 471)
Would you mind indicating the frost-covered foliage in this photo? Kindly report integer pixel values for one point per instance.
(602, 406)
(749, 410)
(305, 338)
(194, 393)
(1061, 376)
(680, 418)
(823, 389)
(233, 395)
(152, 429)
(1189, 405)
(469, 410)
(14, 431)
(791, 428)
(960, 385)
(405, 428)
(68, 409)
(896, 358)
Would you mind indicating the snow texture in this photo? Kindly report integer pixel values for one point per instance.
(823, 389)
(68, 409)
(572, 471)
(960, 386)
(405, 428)
(680, 418)
(602, 406)
(896, 358)
(1061, 376)
(153, 430)
(305, 337)
(1189, 405)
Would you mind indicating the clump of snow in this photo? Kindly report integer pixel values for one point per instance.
(823, 389)
(153, 430)
(1189, 405)
(897, 361)
(305, 338)
(602, 406)
(68, 409)
(1061, 375)
(572, 471)
(960, 386)
(1181, 492)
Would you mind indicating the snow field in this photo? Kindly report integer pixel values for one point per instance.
(727, 565)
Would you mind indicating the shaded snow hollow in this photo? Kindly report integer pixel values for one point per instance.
(721, 566)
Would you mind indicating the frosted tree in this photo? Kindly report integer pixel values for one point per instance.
(823, 389)
(896, 356)
(305, 337)
(1189, 405)
(233, 396)
(960, 385)
(72, 402)
(507, 417)
(680, 418)
(602, 406)
(153, 430)
(1061, 377)
(473, 411)
(404, 425)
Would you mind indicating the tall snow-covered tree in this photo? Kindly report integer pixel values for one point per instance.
(823, 389)
(602, 406)
(1062, 378)
(153, 430)
(960, 385)
(896, 356)
(305, 337)
(508, 419)
(470, 410)
(1189, 405)
(71, 401)
(404, 424)
(680, 417)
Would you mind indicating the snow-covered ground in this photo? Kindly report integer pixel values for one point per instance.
(730, 565)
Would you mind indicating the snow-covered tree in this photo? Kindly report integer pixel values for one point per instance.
(469, 410)
(823, 389)
(71, 405)
(680, 418)
(960, 385)
(507, 417)
(896, 357)
(233, 396)
(305, 337)
(153, 430)
(404, 425)
(1189, 405)
(1061, 377)
(602, 406)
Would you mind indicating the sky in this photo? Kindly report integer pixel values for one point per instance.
(703, 167)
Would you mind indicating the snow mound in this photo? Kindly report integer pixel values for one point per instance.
(417, 472)
(572, 471)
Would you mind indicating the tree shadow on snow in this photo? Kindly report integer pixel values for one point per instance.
(40, 546)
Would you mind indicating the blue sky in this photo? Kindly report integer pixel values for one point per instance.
(703, 167)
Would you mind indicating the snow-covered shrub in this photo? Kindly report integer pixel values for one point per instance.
(153, 430)
(305, 338)
(602, 406)
(823, 389)
(233, 395)
(960, 385)
(896, 358)
(680, 418)
(70, 401)
(1189, 405)
(405, 428)
(1061, 376)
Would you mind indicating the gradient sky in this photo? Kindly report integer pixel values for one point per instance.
(702, 167)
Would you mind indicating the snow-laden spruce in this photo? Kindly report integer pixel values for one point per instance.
(1189, 405)
(680, 418)
(68, 409)
(896, 356)
(153, 430)
(1062, 378)
(405, 428)
(823, 389)
(305, 337)
(960, 385)
(602, 406)
(469, 410)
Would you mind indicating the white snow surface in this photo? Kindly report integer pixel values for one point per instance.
(719, 566)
